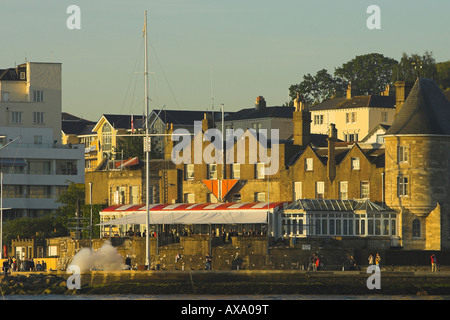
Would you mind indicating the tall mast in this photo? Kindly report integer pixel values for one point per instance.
(147, 154)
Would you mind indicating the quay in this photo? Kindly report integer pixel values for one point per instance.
(233, 282)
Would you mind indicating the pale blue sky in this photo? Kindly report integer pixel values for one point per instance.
(240, 49)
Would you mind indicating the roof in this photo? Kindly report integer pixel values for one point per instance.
(72, 124)
(425, 111)
(380, 126)
(9, 74)
(197, 213)
(185, 117)
(370, 101)
(123, 121)
(74, 127)
(194, 207)
(334, 205)
(262, 112)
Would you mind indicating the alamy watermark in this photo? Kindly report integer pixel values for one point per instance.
(374, 281)
(221, 150)
(74, 281)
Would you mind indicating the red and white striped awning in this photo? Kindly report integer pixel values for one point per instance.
(189, 213)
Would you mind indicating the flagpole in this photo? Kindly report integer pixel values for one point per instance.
(1, 214)
(147, 155)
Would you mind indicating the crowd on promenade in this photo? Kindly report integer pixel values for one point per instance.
(175, 235)
(315, 263)
(15, 265)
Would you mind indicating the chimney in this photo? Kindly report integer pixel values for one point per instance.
(387, 91)
(301, 119)
(168, 143)
(207, 121)
(402, 90)
(331, 164)
(260, 103)
(349, 90)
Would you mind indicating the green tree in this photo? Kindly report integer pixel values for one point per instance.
(317, 88)
(369, 73)
(443, 75)
(414, 65)
(133, 146)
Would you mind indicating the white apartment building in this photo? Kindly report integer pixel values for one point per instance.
(36, 167)
(354, 116)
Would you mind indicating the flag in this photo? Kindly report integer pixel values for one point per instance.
(132, 124)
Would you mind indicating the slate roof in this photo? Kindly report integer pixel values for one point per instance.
(72, 124)
(9, 74)
(370, 101)
(425, 111)
(263, 112)
(186, 117)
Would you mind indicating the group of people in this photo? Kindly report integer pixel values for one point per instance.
(11, 264)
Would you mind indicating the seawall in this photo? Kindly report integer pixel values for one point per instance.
(262, 282)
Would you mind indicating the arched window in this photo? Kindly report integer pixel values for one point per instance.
(106, 137)
(416, 228)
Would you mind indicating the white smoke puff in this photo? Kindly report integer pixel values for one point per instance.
(106, 258)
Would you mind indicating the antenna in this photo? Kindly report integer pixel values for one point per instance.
(212, 100)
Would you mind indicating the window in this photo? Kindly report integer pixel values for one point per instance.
(318, 120)
(350, 117)
(297, 190)
(309, 164)
(106, 137)
(260, 196)
(343, 190)
(38, 96)
(380, 138)
(384, 116)
(402, 186)
(2, 140)
(320, 190)
(189, 198)
(134, 195)
(402, 154)
(5, 96)
(365, 189)
(355, 163)
(212, 171)
(416, 228)
(236, 170)
(16, 117)
(237, 197)
(39, 167)
(189, 172)
(38, 117)
(260, 170)
(37, 139)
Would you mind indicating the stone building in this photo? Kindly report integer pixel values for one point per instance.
(417, 167)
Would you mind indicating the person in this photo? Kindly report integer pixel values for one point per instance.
(317, 263)
(370, 259)
(5, 267)
(128, 263)
(377, 260)
(312, 262)
(39, 266)
(352, 263)
(208, 262)
(433, 263)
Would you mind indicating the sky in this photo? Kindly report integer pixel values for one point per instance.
(204, 53)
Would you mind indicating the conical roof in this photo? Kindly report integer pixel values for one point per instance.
(425, 111)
